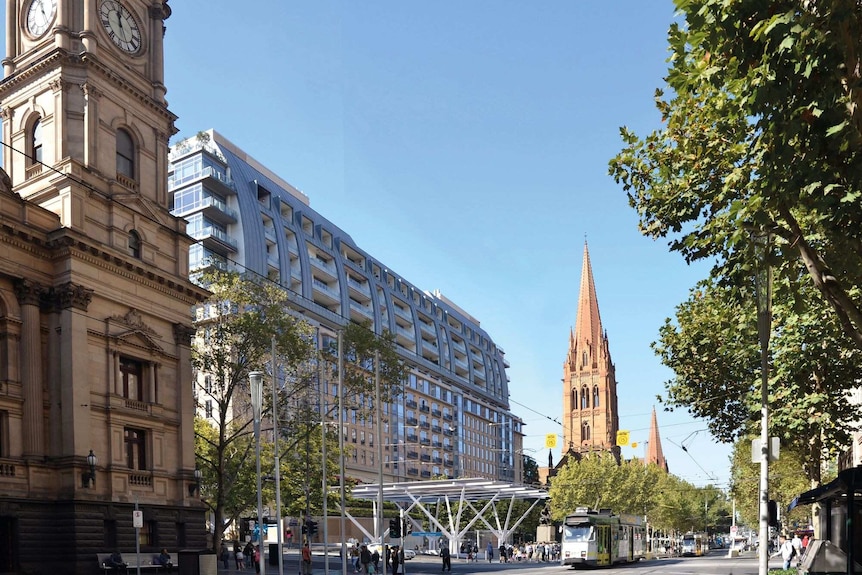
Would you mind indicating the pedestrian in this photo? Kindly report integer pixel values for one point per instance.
(396, 552)
(248, 554)
(224, 555)
(786, 550)
(797, 546)
(364, 559)
(489, 552)
(502, 551)
(375, 560)
(447, 559)
(306, 559)
(257, 558)
(237, 555)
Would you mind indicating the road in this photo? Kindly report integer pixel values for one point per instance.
(717, 563)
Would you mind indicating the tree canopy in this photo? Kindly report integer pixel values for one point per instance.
(762, 131)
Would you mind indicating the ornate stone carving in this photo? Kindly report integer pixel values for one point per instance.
(72, 296)
(28, 292)
(134, 320)
(183, 334)
(57, 85)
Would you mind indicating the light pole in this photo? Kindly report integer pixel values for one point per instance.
(763, 293)
(255, 379)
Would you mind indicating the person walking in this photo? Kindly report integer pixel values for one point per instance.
(489, 551)
(224, 555)
(396, 559)
(447, 559)
(364, 559)
(237, 555)
(786, 550)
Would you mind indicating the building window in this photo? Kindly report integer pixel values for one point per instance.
(4, 434)
(149, 534)
(574, 399)
(585, 431)
(125, 154)
(136, 448)
(595, 396)
(208, 408)
(585, 398)
(131, 373)
(36, 142)
(135, 244)
(208, 384)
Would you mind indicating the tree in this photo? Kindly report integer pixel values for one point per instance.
(713, 349)
(236, 326)
(531, 470)
(598, 481)
(762, 131)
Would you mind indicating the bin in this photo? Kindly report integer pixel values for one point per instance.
(273, 554)
(197, 562)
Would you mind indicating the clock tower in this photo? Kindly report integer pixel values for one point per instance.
(96, 405)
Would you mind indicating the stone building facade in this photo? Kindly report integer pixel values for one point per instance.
(95, 323)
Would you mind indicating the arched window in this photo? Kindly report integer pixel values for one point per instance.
(125, 154)
(584, 359)
(585, 398)
(596, 396)
(574, 399)
(36, 142)
(135, 244)
(585, 431)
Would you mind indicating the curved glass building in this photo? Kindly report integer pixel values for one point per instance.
(453, 418)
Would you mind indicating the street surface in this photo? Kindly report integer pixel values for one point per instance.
(716, 563)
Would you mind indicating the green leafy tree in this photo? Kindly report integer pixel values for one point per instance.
(236, 327)
(531, 470)
(598, 481)
(713, 349)
(762, 129)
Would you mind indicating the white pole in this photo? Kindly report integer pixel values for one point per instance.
(763, 285)
(278, 525)
(342, 527)
(379, 424)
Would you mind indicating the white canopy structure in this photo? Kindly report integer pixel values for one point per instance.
(455, 496)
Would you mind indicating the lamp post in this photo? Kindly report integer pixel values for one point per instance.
(91, 474)
(255, 379)
(763, 293)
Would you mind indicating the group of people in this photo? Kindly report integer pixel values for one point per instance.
(792, 549)
(367, 562)
(118, 564)
(245, 557)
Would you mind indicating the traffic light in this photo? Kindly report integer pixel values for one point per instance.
(772, 512)
(312, 528)
(304, 528)
(408, 528)
(395, 528)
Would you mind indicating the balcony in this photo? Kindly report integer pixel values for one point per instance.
(412, 438)
(215, 239)
(412, 421)
(328, 294)
(411, 404)
(213, 209)
(363, 310)
(436, 412)
(223, 182)
(323, 265)
(424, 408)
(425, 457)
(404, 313)
(436, 429)
(426, 474)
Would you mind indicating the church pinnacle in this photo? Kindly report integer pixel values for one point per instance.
(654, 453)
(589, 381)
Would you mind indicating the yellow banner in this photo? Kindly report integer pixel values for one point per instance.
(622, 438)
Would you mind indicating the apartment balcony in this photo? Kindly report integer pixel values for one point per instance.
(480, 375)
(430, 351)
(424, 408)
(223, 183)
(459, 345)
(426, 474)
(436, 429)
(328, 294)
(460, 363)
(437, 460)
(363, 310)
(412, 421)
(412, 438)
(448, 448)
(424, 441)
(413, 471)
(272, 261)
(215, 239)
(269, 234)
(213, 208)
(360, 290)
(412, 455)
(404, 313)
(428, 328)
(447, 417)
(425, 458)
(436, 412)
(411, 403)
(328, 267)
(404, 336)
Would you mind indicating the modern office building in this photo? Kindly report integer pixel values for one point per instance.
(453, 419)
(96, 414)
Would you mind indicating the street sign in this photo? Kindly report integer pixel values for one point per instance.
(551, 440)
(622, 438)
(774, 449)
(733, 529)
(137, 519)
(427, 533)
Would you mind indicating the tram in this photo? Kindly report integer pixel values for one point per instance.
(600, 538)
(694, 545)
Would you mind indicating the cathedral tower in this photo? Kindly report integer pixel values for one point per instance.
(96, 404)
(590, 413)
(654, 452)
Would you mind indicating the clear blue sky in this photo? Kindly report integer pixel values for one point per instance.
(465, 144)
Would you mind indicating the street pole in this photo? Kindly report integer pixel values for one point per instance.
(379, 425)
(255, 381)
(342, 498)
(763, 289)
(278, 520)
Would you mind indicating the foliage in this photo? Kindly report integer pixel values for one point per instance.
(531, 470)
(236, 326)
(787, 479)
(598, 481)
(714, 352)
(762, 131)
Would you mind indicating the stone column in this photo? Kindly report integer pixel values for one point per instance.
(29, 294)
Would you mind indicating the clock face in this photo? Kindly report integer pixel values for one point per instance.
(40, 14)
(121, 25)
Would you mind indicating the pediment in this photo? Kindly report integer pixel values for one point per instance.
(131, 329)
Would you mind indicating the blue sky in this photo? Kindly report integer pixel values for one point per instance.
(465, 145)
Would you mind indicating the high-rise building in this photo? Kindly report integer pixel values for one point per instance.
(590, 417)
(453, 419)
(95, 407)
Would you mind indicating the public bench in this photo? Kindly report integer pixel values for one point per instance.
(148, 562)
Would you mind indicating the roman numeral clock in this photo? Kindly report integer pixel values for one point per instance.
(121, 25)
